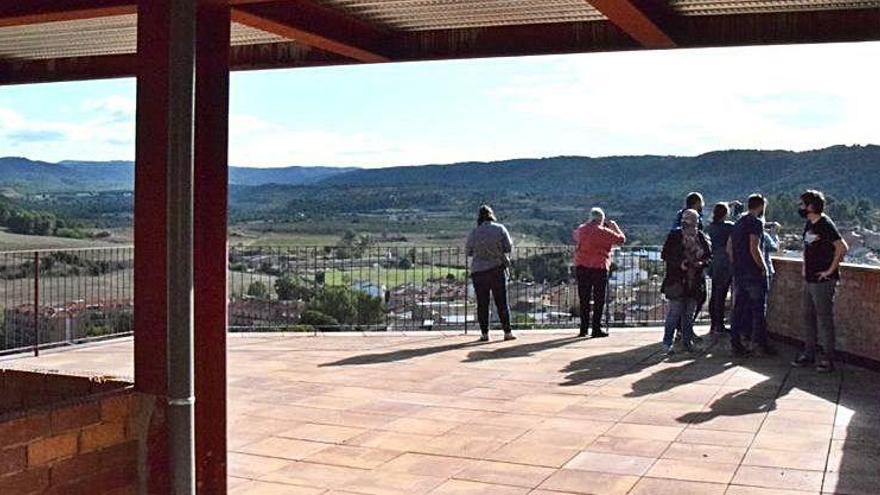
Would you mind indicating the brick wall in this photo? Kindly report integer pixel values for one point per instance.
(96, 443)
(856, 309)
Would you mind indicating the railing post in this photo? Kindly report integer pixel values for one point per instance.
(36, 303)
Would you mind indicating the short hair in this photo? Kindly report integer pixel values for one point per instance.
(486, 215)
(756, 201)
(692, 199)
(720, 212)
(814, 198)
(597, 214)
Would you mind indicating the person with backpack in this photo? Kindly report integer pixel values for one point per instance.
(489, 245)
(687, 251)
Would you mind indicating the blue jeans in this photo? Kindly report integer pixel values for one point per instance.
(750, 311)
(680, 314)
(492, 282)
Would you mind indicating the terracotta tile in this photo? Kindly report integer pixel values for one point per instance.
(505, 474)
(393, 483)
(420, 426)
(584, 426)
(533, 453)
(788, 442)
(851, 483)
(629, 446)
(390, 440)
(513, 420)
(314, 475)
(428, 465)
(693, 470)
(253, 466)
(715, 437)
(486, 431)
(660, 486)
(811, 461)
(770, 477)
(559, 438)
(649, 432)
(610, 463)
(703, 452)
(352, 456)
(754, 490)
(284, 448)
(576, 481)
(322, 433)
(459, 487)
(460, 446)
(266, 488)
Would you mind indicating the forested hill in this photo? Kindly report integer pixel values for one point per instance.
(24, 176)
(840, 170)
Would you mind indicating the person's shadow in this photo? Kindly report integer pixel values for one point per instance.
(401, 354)
(520, 350)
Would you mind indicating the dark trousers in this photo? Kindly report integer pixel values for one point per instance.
(492, 282)
(818, 307)
(591, 285)
(750, 311)
(718, 301)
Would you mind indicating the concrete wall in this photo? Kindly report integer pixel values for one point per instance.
(76, 435)
(857, 308)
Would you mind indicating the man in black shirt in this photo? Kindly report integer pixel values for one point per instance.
(824, 250)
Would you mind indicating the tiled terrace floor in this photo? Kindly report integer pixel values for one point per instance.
(547, 414)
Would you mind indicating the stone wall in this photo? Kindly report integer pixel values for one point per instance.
(857, 309)
(76, 435)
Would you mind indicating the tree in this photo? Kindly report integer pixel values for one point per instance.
(370, 310)
(318, 320)
(258, 290)
(337, 302)
(293, 289)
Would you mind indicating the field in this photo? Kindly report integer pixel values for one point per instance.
(17, 242)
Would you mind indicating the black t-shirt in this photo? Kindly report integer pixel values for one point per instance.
(819, 239)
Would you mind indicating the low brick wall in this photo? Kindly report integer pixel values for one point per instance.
(856, 309)
(76, 435)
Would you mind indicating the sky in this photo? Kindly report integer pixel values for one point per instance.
(674, 102)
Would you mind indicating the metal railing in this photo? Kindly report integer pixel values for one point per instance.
(64, 296)
(67, 296)
(409, 288)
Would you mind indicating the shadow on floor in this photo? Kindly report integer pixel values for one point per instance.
(520, 350)
(401, 354)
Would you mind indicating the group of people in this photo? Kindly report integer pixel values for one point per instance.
(734, 251)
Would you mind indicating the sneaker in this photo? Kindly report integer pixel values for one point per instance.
(668, 350)
(599, 334)
(484, 337)
(768, 350)
(803, 360)
(824, 366)
(583, 334)
(509, 336)
(697, 339)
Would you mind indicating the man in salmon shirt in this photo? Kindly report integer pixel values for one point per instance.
(592, 259)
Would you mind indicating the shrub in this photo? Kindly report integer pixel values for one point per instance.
(318, 320)
(258, 290)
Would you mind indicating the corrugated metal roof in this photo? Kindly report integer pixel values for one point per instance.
(723, 7)
(113, 35)
(420, 15)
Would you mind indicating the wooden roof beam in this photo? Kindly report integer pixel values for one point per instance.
(21, 12)
(650, 22)
(317, 26)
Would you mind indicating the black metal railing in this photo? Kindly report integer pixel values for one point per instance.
(409, 288)
(65, 296)
(56, 297)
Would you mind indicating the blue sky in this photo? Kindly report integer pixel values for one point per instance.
(671, 102)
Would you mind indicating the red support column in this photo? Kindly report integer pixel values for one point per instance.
(150, 191)
(210, 226)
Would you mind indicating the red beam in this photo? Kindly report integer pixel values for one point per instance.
(209, 243)
(21, 12)
(150, 239)
(314, 25)
(646, 21)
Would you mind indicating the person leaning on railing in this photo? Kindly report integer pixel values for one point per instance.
(592, 259)
(490, 245)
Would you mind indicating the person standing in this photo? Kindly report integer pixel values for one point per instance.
(687, 251)
(750, 280)
(490, 245)
(592, 260)
(824, 250)
(770, 247)
(720, 270)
